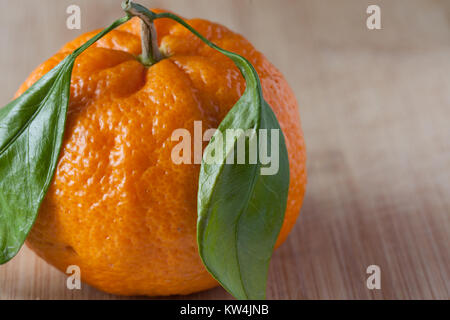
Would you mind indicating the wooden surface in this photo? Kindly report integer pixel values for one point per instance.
(375, 108)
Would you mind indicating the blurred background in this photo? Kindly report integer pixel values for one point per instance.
(375, 109)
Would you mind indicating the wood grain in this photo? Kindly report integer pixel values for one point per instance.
(375, 109)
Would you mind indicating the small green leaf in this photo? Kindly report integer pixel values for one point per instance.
(31, 133)
(240, 211)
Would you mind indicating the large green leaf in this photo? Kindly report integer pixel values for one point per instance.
(31, 133)
(240, 210)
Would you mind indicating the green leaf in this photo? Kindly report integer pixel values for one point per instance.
(31, 134)
(240, 211)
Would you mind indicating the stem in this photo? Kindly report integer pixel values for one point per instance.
(246, 68)
(149, 40)
(134, 9)
(174, 17)
(91, 41)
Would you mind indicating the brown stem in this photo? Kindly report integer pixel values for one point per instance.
(149, 39)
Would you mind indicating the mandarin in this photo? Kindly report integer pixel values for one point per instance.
(118, 207)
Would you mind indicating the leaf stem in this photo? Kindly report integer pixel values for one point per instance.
(149, 39)
(99, 35)
(246, 68)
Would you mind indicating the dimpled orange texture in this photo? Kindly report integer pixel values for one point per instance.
(118, 207)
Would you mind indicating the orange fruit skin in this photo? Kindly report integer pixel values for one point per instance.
(118, 207)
